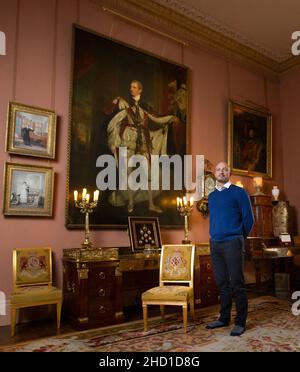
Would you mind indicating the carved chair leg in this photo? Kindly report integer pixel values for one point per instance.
(192, 308)
(162, 311)
(13, 314)
(58, 314)
(145, 316)
(184, 312)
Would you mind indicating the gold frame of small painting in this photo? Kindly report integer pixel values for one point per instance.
(28, 190)
(30, 131)
(144, 233)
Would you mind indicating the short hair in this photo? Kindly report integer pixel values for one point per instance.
(226, 164)
(140, 85)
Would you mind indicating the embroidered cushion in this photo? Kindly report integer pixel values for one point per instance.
(36, 294)
(168, 293)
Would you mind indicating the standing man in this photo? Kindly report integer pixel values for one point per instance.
(231, 220)
(26, 135)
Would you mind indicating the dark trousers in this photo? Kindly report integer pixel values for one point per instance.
(228, 266)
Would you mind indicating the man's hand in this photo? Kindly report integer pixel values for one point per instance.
(175, 120)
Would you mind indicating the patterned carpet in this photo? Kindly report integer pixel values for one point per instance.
(271, 327)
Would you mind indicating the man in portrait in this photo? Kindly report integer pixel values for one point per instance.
(251, 151)
(26, 135)
(249, 148)
(133, 126)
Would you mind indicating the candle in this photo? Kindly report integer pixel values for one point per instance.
(184, 201)
(87, 198)
(191, 201)
(96, 195)
(258, 181)
(178, 201)
(75, 195)
(84, 191)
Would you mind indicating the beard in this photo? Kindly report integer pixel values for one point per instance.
(223, 179)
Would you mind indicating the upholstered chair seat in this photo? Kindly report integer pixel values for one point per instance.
(168, 293)
(36, 294)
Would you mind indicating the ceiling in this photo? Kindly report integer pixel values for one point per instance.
(258, 24)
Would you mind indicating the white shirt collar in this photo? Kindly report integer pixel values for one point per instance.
(137, 98)
(226, 185)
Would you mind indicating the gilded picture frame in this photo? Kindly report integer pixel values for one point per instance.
(249, 140)
(28, 190)
(30, 131)
(102, 74)
(144, 233)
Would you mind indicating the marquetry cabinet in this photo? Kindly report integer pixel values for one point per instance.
(262, 211)
(282, 218)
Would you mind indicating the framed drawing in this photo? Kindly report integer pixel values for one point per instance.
(30, 131)
(144, 233)
(249, 141)
(28, 190)
(123, 98)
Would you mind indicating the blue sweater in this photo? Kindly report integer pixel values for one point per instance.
(230, 213)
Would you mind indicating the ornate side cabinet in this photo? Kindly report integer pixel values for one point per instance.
(206, 292)
(282, 218)
(92, 287)
(262, 210)
(208, 289)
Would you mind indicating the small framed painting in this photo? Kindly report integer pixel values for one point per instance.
(28, 190)
(30, 131)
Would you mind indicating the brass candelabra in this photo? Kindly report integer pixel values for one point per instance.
(185, 208)
(86, 206)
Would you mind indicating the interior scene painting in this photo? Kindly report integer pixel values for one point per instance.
(27, 190)
(109, 81)
(31, 130)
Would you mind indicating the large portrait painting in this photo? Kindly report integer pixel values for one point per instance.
(124, 102)
(249, 141)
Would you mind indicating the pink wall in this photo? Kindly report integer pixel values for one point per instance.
(290, 114)
(36, 71)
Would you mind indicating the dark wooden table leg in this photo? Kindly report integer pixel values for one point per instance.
(257, 268)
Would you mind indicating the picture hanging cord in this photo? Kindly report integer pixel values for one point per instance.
(144, 25)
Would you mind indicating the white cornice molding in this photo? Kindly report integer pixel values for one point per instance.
(178, 25)
(221, 27)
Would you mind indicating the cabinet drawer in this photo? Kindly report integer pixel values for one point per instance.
(101, 310)
(209, 295)
(207, 278)
(205, 266)
(104, 291)
(102, 274)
